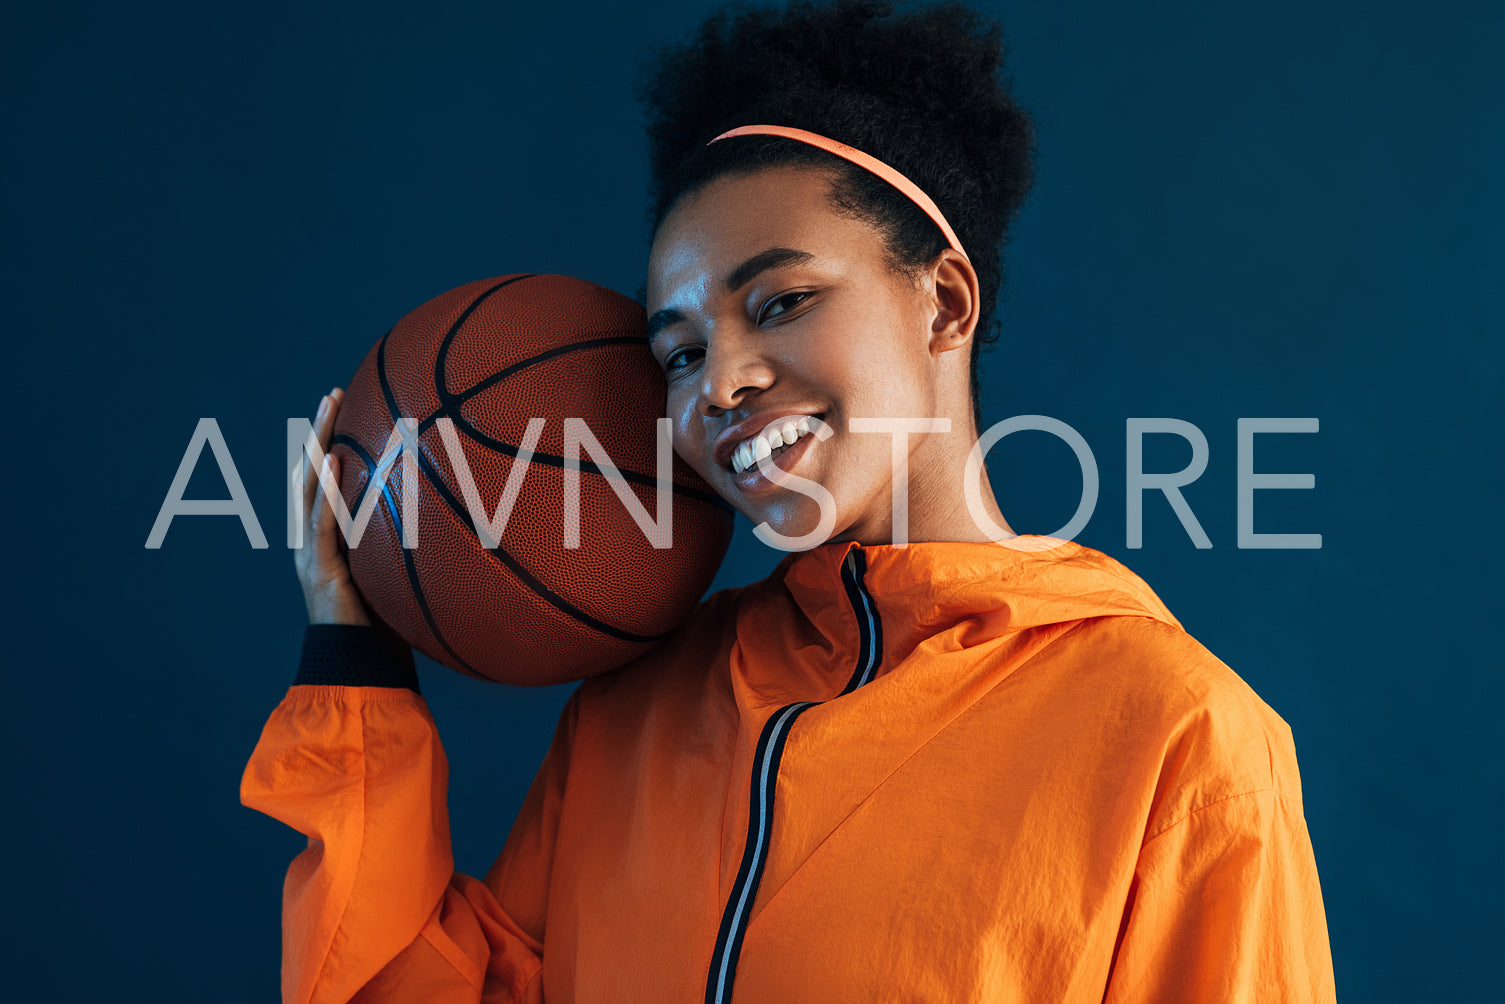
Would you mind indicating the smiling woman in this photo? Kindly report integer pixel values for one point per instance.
(808, 169)
(769, 306)
(915, 762)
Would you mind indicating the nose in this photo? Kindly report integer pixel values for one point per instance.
(732, 370)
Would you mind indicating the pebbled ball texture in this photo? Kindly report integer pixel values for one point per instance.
(488, 356)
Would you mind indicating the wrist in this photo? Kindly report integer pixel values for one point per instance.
(355, 656)
(342, 608)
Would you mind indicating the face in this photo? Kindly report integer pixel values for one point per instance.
(765, 307)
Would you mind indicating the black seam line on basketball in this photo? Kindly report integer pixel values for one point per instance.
(449, 403)
(554, 460)
(344, 439)
(510, 562)
(590, 467)
(387, 393)
(446, 399)
(460, 397)
(869, 624)
(407, 553)
(498, 552)
(386, 390)
(417, 588)
(734, 919)
(381, 379)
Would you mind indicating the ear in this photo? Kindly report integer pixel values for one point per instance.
(957, 299)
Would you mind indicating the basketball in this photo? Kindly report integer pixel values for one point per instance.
(478, 365)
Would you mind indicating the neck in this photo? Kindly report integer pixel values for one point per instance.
(938, 504)
(939, 509)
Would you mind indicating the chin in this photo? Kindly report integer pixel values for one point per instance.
(796, 517)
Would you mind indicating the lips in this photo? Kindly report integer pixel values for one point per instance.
(738, 444)
(766, 478)
(766, 443)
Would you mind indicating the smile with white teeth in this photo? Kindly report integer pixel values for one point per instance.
(770, 442)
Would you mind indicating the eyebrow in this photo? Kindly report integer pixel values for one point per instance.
(738, 277)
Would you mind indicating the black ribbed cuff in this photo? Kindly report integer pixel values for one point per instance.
(355, 655)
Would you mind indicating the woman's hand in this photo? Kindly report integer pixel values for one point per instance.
(322, 567)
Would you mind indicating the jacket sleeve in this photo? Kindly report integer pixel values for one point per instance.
(372, 909)
(1225, 906)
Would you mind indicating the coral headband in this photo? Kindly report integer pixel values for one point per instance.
(861, 159)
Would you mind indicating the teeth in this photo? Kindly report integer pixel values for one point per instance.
(752, 450)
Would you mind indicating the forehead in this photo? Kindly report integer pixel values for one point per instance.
(713, 230)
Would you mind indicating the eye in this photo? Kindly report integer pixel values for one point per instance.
(785, 298)
(682, 357)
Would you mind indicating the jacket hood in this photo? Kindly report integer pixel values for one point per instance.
(952, 595)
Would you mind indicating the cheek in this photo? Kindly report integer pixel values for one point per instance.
(689, 433)
(873, 358)
(879, 379)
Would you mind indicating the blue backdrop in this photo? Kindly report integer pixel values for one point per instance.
(1284, 209)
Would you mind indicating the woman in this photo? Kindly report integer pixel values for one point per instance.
(976, 767)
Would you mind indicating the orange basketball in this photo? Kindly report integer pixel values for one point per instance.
(488, 357)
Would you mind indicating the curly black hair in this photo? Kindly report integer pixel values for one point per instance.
(921, 90)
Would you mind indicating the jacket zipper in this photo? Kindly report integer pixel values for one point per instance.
(869, 627)
(765, 775)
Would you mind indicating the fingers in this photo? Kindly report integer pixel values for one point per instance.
(310, 482)
(322, 567)
(321, 519)
(327, 586)
(323, 426)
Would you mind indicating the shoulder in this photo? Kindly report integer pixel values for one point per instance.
(1204, 732)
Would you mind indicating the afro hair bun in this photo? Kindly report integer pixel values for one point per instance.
(920, 87)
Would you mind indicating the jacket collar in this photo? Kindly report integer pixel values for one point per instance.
(965, 592)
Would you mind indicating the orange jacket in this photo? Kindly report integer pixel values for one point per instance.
(947, 772)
